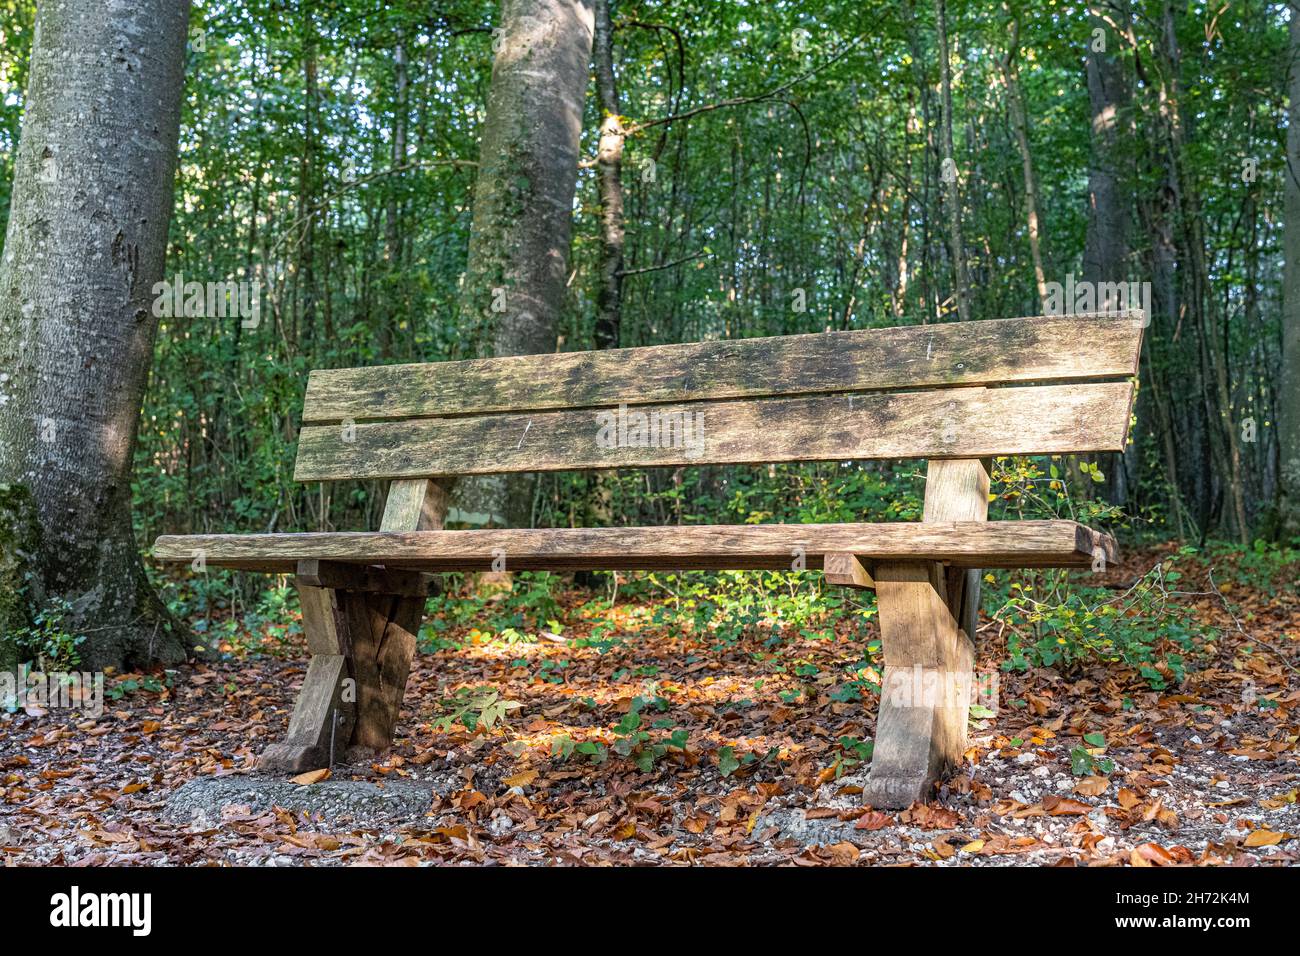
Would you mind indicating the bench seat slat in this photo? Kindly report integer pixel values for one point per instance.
(942, 423)
(1011, 544)
(990, 352)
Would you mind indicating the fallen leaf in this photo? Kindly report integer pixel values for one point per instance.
(872, 820)
(1265, 838)
(1091, 786)
(521, 779)
(1065, 807)
(1148, 854)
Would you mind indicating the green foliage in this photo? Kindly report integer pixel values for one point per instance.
(512, 616)
(134, 685)
(48, 642)
(474, 708)
(1145, 627)
(1264, 566)
(1085, 764)
(726, 606)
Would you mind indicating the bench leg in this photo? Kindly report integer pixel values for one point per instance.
(926, 687)
(384, 629)
(325, 712)
(362, 645)
(361, 626)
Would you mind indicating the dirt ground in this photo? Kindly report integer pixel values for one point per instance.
(1201, 773)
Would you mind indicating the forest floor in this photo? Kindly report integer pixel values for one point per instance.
(1087, 768)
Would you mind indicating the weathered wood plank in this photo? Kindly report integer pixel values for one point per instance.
(415, 504)
(384, 630)
(925, 688)
(958, 490)
(927, 619)
(969, 544)
(322, 721)
(353, 577)
(944, 423)
(322, 624)
(845, 570)
(1049, 348)
(384, 626)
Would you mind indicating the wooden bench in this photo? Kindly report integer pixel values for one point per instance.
(955, 394)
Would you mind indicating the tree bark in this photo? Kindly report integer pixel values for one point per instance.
(528, 170)
(1288, 401)
(514, 288)
(1019, 125)
(952, 194)
(1106, 241)
(85, 246)
(393, 299)
(609, 185)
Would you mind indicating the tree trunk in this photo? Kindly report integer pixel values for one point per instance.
(609, 184)
(1019, 125)
(514, 287)
(528, 169)
(85, 246)
(1106, 242)
(948, 169)
(393, 299)
(1288, 400)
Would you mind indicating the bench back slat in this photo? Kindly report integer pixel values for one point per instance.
(992, 352)
(969, 422)
(1047, 385)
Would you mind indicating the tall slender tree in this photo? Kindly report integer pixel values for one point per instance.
(85, 246)
(609, 184)
(948, 168)
(1288, 402)
(1106, 241)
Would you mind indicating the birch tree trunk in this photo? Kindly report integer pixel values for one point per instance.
(1288, 400)
(85, 245)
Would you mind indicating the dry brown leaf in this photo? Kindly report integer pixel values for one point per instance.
(1065, 807)
(312, 776)
(1151, 854)
(872, 820)
(1091, 786)
(1265, 838)
(521, 779)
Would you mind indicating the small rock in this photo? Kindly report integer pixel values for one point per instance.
(1019, 797)
(1026, 757)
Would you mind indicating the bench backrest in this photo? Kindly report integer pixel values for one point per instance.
(1048, 385)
